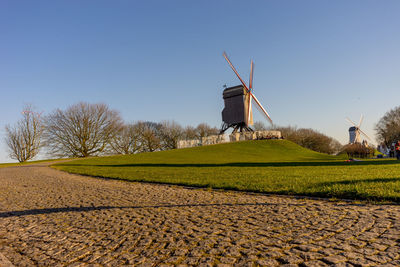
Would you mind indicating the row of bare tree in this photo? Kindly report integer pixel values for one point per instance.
(312, 139)
(85, 129)
(307, 138)
(150, 136)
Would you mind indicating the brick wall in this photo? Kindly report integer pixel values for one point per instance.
(219, 139)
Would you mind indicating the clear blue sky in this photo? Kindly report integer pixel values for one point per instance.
(316, 62)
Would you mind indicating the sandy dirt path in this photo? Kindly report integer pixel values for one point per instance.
(48, 217)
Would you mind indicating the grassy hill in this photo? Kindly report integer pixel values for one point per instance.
(269, 166)
(248, 151)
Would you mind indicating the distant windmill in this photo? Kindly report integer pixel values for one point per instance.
(238, 112)
(355, 132)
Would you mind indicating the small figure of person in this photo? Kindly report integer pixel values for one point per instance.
(397, 149)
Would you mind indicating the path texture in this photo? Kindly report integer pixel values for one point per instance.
(53, 218)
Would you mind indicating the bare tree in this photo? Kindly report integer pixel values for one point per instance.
(23, 139)
(127, 140)
(311, 139)
(204, 130)
(170, 133)
(149, 136)
(388, 127)
(259, 126)
(81, 130)
(189, 133)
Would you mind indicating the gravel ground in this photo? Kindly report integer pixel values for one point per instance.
(52, 218)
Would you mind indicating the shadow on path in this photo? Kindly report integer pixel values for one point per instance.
(87, 209)
(242, 164)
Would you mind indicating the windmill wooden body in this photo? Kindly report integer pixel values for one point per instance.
(238, 112)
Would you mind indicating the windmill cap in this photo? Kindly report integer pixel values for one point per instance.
(233, 91)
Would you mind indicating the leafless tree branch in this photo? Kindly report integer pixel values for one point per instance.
(23, 139)
(81, 130)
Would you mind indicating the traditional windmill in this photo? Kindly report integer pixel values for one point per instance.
(355, 132)
(238, 112)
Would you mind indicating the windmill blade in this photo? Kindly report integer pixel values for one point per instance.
(263, 111)
(365, 135)
(251, 75)
(249, 111)
(361, 119)
(234, 70)
(351, 122)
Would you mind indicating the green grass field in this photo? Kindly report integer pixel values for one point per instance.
(270, 166)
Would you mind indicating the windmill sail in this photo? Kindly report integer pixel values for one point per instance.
(262, 109)
(351, 122)
(235, 71)
(248, 100)
(248, 109)
(361, 119)
(365, 135)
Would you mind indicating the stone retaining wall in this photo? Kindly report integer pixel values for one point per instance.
(219, 139)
